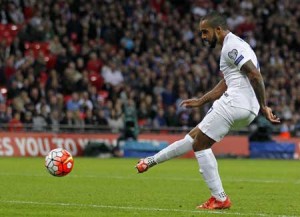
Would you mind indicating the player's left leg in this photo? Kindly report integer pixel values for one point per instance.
(209, 170)
(213, 128)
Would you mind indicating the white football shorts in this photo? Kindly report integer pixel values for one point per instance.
(222, 117)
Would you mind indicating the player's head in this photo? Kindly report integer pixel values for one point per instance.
(211, 27)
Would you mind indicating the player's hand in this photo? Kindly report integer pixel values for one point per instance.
(267, 112)
(190, 103)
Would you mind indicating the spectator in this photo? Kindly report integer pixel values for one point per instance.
(160, 120)
(34, 95)
(72, 78)
(54, 121)
(5, 115)
(14, 14)
(168, 95)
(89, 119)
(73, 103)
(78, 120)
(85, 103)
(171, 117)
(101, 120)
(68, 122)
(43, 108)
(55, 46)
(112, 75)
(127, 42)
(194, 119)
(144, 112)
(235, 20)
(15, 124)
(115, 122)
(55, 104)
(39, 122)
(94, 64)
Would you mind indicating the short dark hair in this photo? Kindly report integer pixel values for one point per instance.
(216, 19)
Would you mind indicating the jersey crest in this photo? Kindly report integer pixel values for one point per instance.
(233, 54)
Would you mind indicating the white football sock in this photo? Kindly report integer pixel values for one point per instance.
(176, 149)
(209, 170)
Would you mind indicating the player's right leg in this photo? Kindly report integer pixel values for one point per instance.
(176, 149)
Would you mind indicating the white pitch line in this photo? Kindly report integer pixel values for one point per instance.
(152, 209)
(138, 176)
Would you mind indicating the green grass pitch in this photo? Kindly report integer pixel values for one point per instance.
(111, 187)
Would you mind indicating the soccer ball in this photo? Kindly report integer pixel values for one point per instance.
(59, 162)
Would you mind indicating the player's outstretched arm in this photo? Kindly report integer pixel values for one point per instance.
(257, 83)
(212, 95)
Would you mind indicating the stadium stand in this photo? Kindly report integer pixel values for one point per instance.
(78, 63)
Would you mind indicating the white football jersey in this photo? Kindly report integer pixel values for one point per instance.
(235, 52)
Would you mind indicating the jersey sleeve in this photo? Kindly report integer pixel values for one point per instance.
(237, 54)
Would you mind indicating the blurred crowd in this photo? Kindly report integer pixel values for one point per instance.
(81, 63)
